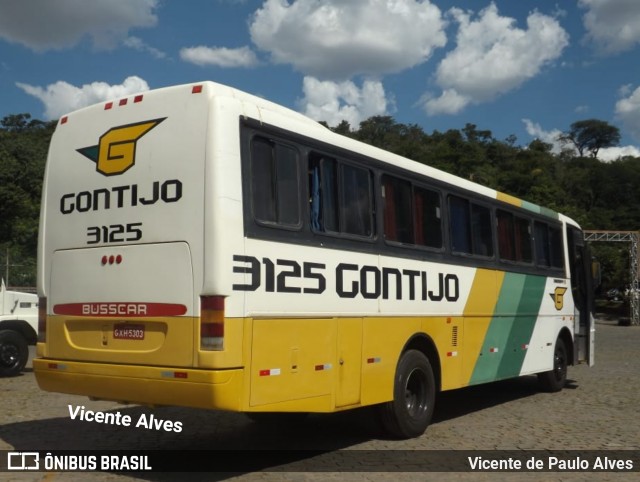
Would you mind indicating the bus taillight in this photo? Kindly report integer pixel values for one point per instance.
(42, 320)
(211, 323)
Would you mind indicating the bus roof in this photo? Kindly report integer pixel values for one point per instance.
(311, 128)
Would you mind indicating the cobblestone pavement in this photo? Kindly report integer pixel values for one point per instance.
(598, 410)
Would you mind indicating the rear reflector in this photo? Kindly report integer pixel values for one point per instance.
(174, 374)
(212, 323)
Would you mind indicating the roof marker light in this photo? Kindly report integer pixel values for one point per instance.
(108, 105)
(64, 120)
(122, 102)
(196, 89)
(138, 98)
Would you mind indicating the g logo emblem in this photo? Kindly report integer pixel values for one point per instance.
(116, 152)
(558, 297)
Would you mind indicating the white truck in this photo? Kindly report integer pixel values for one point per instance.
(18, 329)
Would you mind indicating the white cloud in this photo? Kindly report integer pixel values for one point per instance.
(449, 102)
(57, 24)
(62, 97)
(492, 57)
(219, 56)
(606, 154)
(334, 39)
(334, 102)
(536, 131)
(628, 110)
(612, 25)
(625, 90)
(138, 44)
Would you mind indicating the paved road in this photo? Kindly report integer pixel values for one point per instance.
(598, 410)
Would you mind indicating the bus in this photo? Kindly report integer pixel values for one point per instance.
(204, 247)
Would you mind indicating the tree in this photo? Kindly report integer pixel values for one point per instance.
(472, 133)
(20, 122)
(591, 135)
(23, 150)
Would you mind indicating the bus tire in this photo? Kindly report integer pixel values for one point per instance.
(14, 353)
(554, 380)
(414, 393)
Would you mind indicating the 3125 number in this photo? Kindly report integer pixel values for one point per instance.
(114, 233)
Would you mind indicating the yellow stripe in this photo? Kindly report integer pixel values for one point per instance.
(477, 316)
(509, 199)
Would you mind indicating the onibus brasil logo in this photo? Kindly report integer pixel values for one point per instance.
(116, 152)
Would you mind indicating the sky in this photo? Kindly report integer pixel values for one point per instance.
(524, 68)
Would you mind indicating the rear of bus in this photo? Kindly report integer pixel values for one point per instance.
(127, 312)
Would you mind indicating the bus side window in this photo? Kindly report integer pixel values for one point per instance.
(548, 241)
(460, 225)
(523, 240)
(514, 237)
(471, 229)
(274, 183)
(481, 230)
(356, 208)
(555, 247)
(323, 187)
(541, 232)
(427, 219)
(411, 213)
(340, 197)
(397, 210)
(506, 243)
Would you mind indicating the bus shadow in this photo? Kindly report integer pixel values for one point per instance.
(457, 403)
(241, 444)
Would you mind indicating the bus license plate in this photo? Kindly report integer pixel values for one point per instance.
(128, 332)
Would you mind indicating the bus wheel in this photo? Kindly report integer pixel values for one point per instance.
(14, 353)
(414, 393)
(555, 379)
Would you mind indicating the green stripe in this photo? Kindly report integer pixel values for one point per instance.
(511, 327)
(540, 210)
(522, 329)
(498, 332)
(549, 212)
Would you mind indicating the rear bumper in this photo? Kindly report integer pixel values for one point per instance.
(211, 389)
